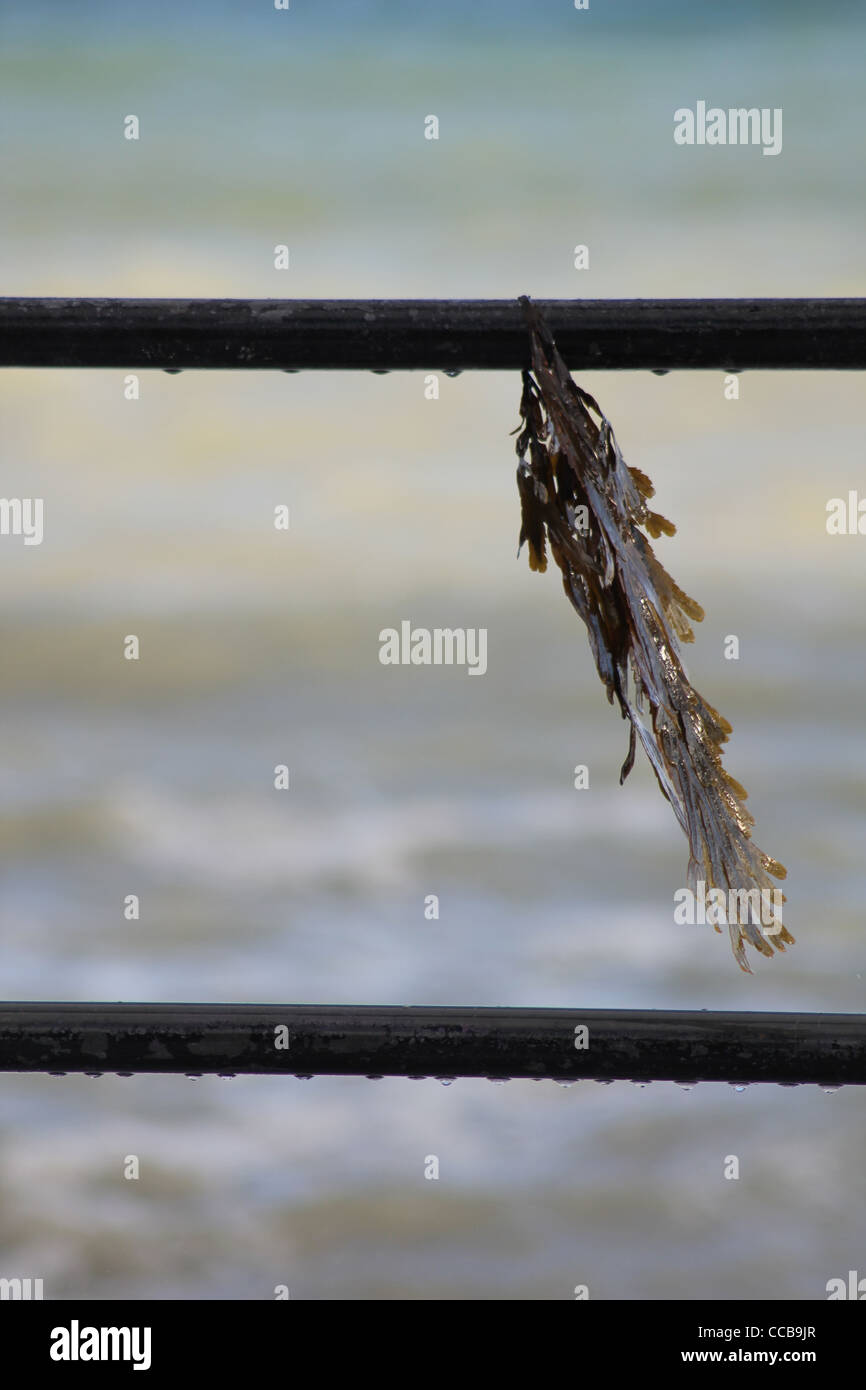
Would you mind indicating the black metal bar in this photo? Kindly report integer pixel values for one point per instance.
(419, 334)
(352, 1040)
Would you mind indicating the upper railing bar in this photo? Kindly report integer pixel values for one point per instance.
(431, 334)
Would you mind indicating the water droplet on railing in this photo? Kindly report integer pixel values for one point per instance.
(737, 1087)
(93, 1074)
(498, 1080)
(446, 1080)
(375, 1076)
(172, 371)
(565, 1080)
(303, 1076)
(453, 371)
(661, 371)
(381, 371)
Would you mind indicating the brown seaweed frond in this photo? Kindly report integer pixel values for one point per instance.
(579, 497)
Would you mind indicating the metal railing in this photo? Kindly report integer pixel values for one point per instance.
(417, 334)
(352, 1040)
(448, 335)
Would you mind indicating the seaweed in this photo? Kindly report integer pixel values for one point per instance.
(581, 500)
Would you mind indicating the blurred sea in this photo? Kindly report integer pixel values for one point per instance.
(259, 647)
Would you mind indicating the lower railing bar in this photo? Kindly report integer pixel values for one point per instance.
(364, 1040)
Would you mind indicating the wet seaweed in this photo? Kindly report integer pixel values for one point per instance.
(581, 500)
